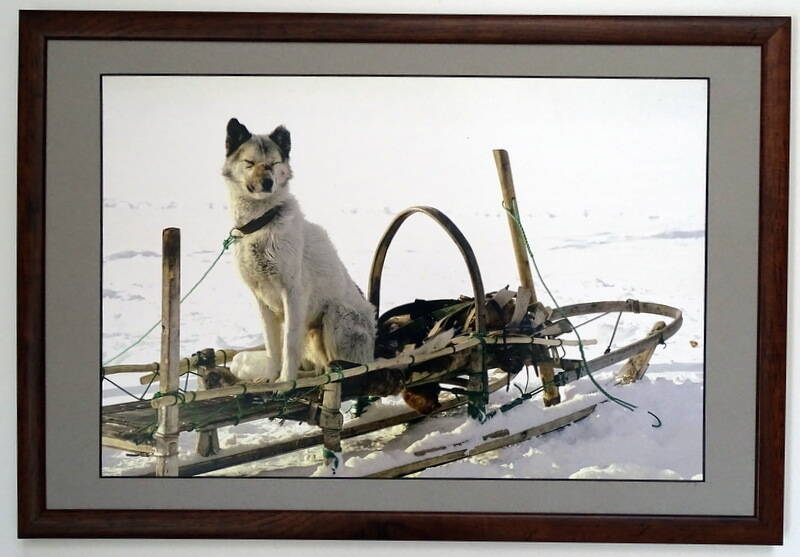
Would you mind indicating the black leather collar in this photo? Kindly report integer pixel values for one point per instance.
(260, 222)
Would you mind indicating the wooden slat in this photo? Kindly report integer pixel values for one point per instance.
(491, 443)
(126, 422)
(359, 427)
(116, 443)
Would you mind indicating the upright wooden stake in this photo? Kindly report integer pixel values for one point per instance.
(166, 436)
(635, 368)
(547, 374)
(478, 384)
(510, 202)
(331, 421)
(207, 439)
(501, 160)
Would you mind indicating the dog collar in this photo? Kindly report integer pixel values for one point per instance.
(259, 222)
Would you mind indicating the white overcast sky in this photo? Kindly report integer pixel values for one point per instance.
(394, 141)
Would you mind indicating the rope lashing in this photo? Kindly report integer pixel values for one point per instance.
(225, 245)
(613, 334)
(228, 242)
(361, 405)
(329, 455)
(519, 400)
(179, 396)
(477, 400)
(514, 214)
(329, 375)
(595, 318)
(149, 384)
(123, 389)
(235, 409)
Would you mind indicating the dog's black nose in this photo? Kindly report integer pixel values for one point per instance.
(266, 183)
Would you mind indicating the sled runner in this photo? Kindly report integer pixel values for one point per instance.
(439, 354)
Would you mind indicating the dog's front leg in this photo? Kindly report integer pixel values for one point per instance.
(261, 365)
(293, 333)
(272, 340)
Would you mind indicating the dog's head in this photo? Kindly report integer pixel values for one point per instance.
(256, 165)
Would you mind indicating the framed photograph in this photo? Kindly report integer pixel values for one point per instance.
(402, 277)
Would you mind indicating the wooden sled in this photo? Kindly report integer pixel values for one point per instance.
(422, 348)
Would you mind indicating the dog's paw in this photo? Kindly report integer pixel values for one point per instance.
(218, 378)
(254, 366)
(288, 373)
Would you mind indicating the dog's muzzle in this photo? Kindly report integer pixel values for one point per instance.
(266, 184)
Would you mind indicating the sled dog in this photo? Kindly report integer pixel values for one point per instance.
(312, 311)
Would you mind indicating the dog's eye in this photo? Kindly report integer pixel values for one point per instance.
(249, 163)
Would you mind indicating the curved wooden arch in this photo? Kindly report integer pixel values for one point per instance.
(374, 290)
(628, 306)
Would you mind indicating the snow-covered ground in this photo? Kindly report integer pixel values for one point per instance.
(610, 177)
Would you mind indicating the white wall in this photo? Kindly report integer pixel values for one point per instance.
(65, 548)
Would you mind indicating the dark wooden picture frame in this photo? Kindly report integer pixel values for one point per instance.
(772, 35)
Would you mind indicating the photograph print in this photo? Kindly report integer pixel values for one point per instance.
(403, 277)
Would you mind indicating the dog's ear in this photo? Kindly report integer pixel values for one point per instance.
(237, 134)
(282, 139)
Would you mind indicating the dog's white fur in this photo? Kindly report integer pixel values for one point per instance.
(312, 311)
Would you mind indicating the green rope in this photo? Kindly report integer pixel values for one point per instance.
(514, 213)
(517, 401)
(237, 404)
(361, 405)
(225, 245)
(222, 410)
(334, 369)
(477, 400)
(179, 395)
(328, 455)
